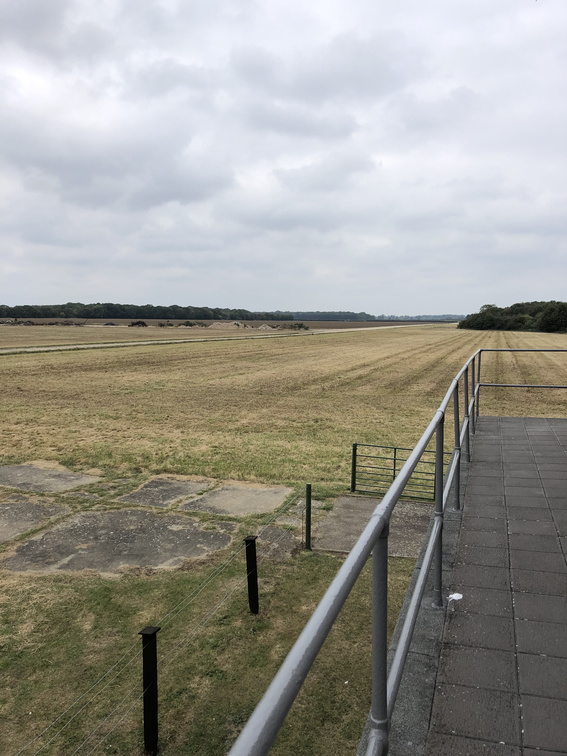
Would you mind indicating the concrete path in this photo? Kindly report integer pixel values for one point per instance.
(52, 519)
(339, 530)
(502, 679)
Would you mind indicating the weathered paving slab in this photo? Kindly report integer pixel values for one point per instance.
(20, 513)
(341, 528)
(240, 499)
(277, 543)
(115, 540)
(502, 673)
(43, 478)
(163, 491)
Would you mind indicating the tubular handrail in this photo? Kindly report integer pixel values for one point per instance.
(262, 728)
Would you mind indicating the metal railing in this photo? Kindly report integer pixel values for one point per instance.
(262, 728)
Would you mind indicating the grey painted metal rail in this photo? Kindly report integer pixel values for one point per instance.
(262, 728)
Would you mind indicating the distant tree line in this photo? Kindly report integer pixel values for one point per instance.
(550, 317)
(136, 312)
(315, 315)
(360, 316)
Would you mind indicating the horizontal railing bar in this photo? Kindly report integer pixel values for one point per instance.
(398, 662)
(366, 470)
(379, 483)
(504, 349)
(383, 446)
(399, 459)
(522, 385)
(398, 448)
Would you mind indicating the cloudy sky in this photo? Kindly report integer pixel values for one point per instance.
(402, 158)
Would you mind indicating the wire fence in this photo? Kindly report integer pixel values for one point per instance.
(125, 672)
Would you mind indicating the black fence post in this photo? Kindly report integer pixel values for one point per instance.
(252, 573)
(149, 663)
(353, 470)
(308, 517)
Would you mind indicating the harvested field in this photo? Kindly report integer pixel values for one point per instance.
(277, 411)
(29, 336)
(96, 332)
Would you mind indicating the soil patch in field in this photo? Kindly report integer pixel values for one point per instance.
(20, 513)
(340, 530)
(240, 499)
(115, 541)
(43, 477)
(164, 491)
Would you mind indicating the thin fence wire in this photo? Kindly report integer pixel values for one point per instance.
(177, 609)
(76, 714)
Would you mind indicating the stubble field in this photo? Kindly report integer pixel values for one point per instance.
(280, 411)
(276, 410)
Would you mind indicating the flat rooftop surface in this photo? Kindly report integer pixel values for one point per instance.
(502, 679)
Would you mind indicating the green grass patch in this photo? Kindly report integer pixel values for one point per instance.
(60, 633)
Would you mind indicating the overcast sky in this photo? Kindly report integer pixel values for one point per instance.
(402, 158)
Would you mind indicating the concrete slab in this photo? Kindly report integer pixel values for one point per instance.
(20, 513)
(478, 668)
(278, 543)
(480, 631)
(340, 529)
(542, 675)
(541, 638)
(164, 490)
(544, 723)
(240, 499)
(43, 477)
(478, 713)
(452, 745)
(113, 541)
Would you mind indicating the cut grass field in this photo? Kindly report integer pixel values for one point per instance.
(22, 337)
(280, 411)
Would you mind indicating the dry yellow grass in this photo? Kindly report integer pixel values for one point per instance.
(281, 410)
(12, 337)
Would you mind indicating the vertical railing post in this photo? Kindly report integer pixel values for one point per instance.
(353, 469)
(467, 419)
(252, 573)
(395, 461)
(438, 569)
(149, 682)
(478, 384)
(473, 378)
(379, 706)
(457, 447)
(308, 517)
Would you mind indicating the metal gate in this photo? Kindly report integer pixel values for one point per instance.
(375, 467)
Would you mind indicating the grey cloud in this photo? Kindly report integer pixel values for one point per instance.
(54, 30)
(283, 154)
(32, 22)
(160, 77)
(349, 67)
(352, 66)
(331, 174)
(299, 120)
(190, 181)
